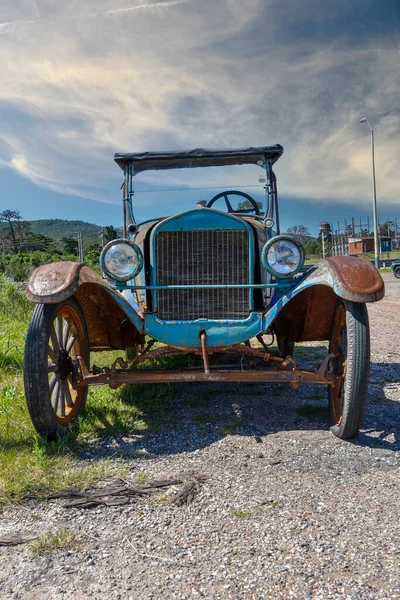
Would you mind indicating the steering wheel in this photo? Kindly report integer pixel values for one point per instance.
(254, 206)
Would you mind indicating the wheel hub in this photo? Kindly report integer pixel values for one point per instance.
(64, 364)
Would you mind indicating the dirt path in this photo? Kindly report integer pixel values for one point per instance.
(287, 511)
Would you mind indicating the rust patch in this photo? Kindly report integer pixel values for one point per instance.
(119, 377)
(308, 316)
(356, 275)
(53, 280)
(107, 323)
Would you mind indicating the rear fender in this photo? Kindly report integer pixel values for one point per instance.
(112, 322)
(306, 311)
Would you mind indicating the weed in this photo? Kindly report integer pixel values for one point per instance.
(241, 514)
(273, 503)
(204, 419)
(7, 397)
(313, 411)
(163, 500)
(200, 400)
(141, 477)
(62, 539)
(230, 427)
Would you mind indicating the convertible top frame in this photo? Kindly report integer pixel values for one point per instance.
(135, 163)
(199, 157)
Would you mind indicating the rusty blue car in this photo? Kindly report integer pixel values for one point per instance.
(215, 281)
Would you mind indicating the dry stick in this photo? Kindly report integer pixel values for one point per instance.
(156, 557)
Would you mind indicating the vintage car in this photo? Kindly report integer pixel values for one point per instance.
(205, 282)
(396, 268)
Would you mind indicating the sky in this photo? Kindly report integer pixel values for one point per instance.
(82, 80)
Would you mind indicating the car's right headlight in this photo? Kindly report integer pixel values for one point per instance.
(121, 259)
(282, 256)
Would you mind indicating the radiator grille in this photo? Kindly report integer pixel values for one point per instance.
(202, 257)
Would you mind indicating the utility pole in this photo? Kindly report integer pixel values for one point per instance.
(80, 247)
(375, 213)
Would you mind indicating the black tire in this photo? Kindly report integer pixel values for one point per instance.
(396, 272)
(56, 332)
(351, 342)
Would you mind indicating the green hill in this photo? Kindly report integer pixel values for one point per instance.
(58, 228)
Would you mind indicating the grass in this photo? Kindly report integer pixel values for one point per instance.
(241, 514)
(313, 411)
(204, 419)
(28, 463)
(162, 500)
(230, 427)
(62, 539)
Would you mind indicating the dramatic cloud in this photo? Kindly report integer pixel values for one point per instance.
(81, 81)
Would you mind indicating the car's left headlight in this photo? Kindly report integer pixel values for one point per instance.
(282, 256)
(121, 259)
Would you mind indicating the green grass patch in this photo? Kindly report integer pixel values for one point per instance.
(199, 400)
(204, 419)
(162, 500)
(52, 541)
(230, 427)
(30, 464)
(313, 411)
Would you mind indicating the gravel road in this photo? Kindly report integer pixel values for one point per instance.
(287, 511)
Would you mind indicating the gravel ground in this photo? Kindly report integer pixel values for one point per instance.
(287, 511)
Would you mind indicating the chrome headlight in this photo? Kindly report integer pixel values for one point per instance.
(282, 256)
(121, 260)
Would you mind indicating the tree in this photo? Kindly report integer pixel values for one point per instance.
(38, 241)
(299, 232)
(387, 228)
(312, 248)
(11, 216)
(110, 233)
(246, 205)
(70, 245)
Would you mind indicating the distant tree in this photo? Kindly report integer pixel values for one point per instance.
(299, 232)
(38, 241)
(109, 234)
(11, 217)
(246, 205)
(387, 228)
(312, 248)
(70, 245)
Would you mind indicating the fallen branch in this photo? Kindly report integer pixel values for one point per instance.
(14, 539)
(119, 492)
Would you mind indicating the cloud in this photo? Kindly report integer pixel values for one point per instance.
(84, 81)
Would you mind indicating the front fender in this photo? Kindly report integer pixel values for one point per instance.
(305, 312)
(351, 278)
(112, 322)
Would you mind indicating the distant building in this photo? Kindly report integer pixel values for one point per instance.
(362, 245)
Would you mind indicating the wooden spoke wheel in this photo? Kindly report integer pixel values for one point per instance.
(350, 342)
(56, 334)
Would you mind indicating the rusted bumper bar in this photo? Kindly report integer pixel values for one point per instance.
(119, 377)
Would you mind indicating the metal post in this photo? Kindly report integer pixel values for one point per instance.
(376, 243)
(375, 213)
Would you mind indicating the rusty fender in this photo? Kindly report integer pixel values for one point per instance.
(111, 321)
(305, 313)
(351, 278)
